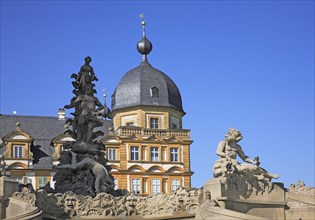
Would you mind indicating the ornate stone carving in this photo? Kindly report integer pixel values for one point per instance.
(71, 205)
(232, 173)
(208, 201)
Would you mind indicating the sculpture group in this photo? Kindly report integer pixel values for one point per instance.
(84, 186)
(83, 168)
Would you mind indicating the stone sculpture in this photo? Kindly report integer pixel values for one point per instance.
(208, 201)
(103, 181)
(83, 168)
(227, 165)
(71, 205)
(2, 165)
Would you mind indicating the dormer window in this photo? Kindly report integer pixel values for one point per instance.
(17, 151)
(154, 92)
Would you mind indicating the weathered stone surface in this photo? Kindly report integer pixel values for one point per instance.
(300, 202)
(181, 202)
(7, 187)
(238, 195)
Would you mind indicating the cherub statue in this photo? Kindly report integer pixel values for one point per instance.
(228, 150)
(89, 117)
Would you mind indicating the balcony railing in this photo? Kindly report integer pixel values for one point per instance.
(129, 130)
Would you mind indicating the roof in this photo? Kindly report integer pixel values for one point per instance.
(135, 89)
(42, 129)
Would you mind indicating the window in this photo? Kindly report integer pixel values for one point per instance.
(42, 180)
(154, 123)
(156, 186)
(116, 184)
(154, 154)
(175, 185)
(112, 154)
(154, 92)
(135, 186)
(134, 153)
(174, 154)
(26, 180)
(17, 151)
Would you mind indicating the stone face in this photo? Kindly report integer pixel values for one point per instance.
(181, 202)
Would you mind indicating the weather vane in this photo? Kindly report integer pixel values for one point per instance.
(104, 94)
(142, 22)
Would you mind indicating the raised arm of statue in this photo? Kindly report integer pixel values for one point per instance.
(74, 102)
(221, 149)
(243, 156)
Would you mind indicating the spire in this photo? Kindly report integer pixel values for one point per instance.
(143, 24)
(144, 46)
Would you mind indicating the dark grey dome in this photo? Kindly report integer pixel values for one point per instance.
(145, 85)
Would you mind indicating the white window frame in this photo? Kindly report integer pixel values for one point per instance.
(175, 184)
(174, 154)
(154, 154)
(154, 123)
(135, 185)
(18, 151)
(156, 186)
(134, 153)
(111, 154)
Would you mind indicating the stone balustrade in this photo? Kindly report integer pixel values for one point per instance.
(128, 130)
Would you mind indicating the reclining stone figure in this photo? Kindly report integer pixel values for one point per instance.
(228, 150)
(103, 182)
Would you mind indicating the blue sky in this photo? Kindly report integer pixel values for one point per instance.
(242, 64)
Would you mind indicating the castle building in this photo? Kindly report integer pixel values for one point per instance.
(146, 145)
(149, 150)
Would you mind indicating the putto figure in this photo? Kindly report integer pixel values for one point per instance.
(227, 150)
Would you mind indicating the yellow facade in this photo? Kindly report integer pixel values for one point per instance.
(149, 160)
(144, 160)
(19, 160)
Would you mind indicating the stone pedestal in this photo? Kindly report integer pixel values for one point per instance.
(7, 187)
(249, 197)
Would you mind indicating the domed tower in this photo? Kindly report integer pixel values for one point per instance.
(148, 149)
